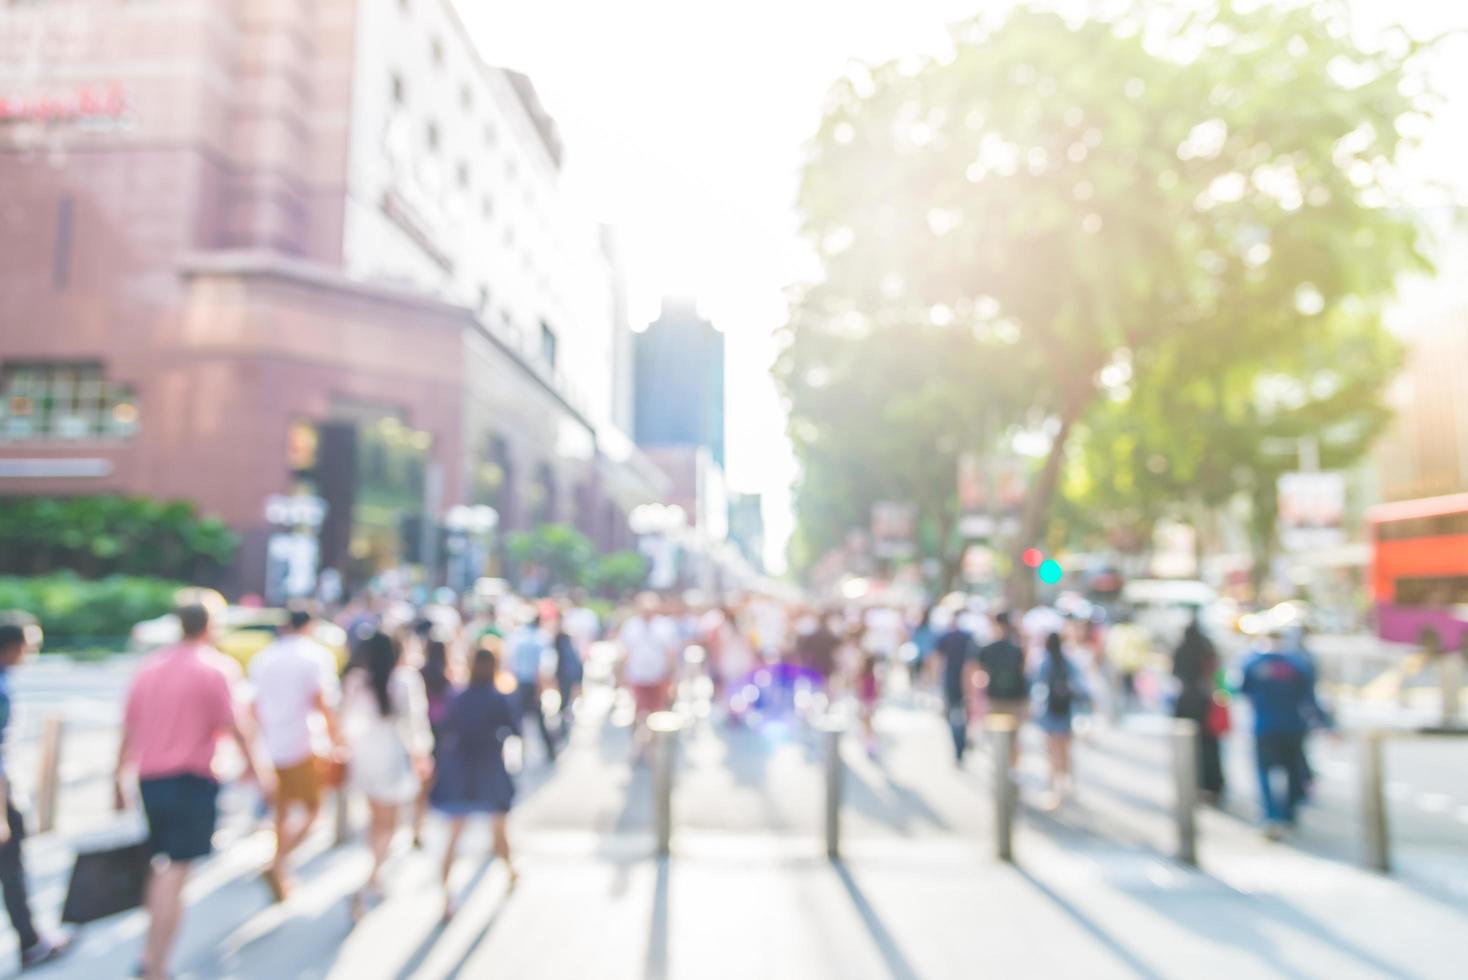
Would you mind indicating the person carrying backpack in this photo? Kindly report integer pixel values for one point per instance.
(1059, 692)
(1007, 687)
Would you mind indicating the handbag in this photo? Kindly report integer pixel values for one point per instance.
(1220, 719)
(107, 880)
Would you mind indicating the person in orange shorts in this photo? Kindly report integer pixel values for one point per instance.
(294, 681)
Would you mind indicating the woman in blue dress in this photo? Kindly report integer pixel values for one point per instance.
(472, 778)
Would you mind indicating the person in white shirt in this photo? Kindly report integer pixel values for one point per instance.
(649, 644)
(583, 626)
(294, 682)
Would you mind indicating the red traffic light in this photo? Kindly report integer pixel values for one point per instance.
(1033, 557)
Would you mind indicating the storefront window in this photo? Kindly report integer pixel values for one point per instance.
(61, 401)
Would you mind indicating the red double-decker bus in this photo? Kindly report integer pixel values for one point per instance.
(1420, 571)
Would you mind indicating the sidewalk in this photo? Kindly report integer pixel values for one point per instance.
(742, 906)
(749, 893)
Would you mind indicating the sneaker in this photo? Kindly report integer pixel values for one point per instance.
(44, 951)
(1274, 831)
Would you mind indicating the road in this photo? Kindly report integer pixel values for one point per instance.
(748, 891)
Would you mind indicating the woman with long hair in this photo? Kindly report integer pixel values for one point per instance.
(438, 686)
(386, 723)
(569, 673)
(473, 779)
(1060, 692)
(1195, 665)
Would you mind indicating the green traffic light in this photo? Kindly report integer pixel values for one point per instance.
(1050, 571)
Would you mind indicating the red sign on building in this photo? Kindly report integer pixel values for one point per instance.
(90, 102)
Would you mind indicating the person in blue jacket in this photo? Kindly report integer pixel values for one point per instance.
(1280, 685)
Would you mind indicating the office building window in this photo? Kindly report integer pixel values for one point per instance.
(64, 401)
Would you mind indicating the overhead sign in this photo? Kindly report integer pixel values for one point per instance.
(1312, 511)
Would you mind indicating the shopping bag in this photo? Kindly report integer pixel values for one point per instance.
(106, 880)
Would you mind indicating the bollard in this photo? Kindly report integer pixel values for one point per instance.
(343, 815)
(1375, 838)
(835, 776)
(48, 780)
(1450, 677)
(664, 726)
(1003, 729)
(1185, 776)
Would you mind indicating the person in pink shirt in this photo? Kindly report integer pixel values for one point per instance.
(180, 705)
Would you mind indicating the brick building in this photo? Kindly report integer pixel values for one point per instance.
(256, 249)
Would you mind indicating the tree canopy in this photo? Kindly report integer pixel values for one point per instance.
(1153, 234)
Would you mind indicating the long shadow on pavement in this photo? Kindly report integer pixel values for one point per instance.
(897, 964)
(420, 955)
(1136, 966)
(657, 935)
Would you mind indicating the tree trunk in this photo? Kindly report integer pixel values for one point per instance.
(1037, 513)
(950, 564)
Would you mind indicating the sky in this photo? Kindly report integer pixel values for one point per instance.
(685, 123)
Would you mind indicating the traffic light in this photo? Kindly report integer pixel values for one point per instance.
(1050, 571)
(1033, 557)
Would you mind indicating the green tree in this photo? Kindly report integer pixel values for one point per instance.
(1105, 209)
(561, 554)
(618, 574)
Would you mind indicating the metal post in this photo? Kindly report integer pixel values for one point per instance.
(1185, 777)
(48, 780)
(1376, 838)
(835, 776)
(1450, 676)
(1002, 733)
(664, 726)
(343, 814)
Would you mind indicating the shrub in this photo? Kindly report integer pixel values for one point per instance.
(78, 614)
(111, 535)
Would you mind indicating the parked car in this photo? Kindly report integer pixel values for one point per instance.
(244, 632)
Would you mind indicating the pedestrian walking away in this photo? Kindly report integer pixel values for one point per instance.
(569, 673)
(529, 647)
(649, 660)
(1006, 683)
(17, 642)
(180, 705)
(437, 689)
(385, 719)
(1060, 692)
(960, 656)
(1195, 666)
(295, 696)
(1280, 687)
(472, 777)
